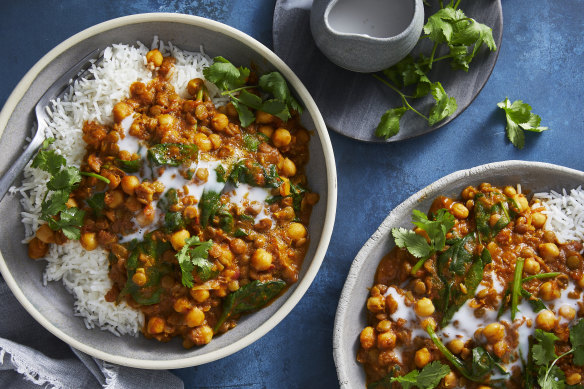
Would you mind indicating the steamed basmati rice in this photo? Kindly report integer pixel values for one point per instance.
(85, 273)
(565, 213)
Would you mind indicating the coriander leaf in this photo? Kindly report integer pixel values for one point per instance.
(444, 106)
(439, 27)
(471, 33)
(55, 204)
(275, 84)
(431, 375)
(70, 222)
(194, 254)
(225, 75)
(437, 228)
(250, 99)
(389, 124)
(414, 243)
(545, 351)
(577, 340)
(276, 108)
(49, 161)
(246, 117)
(552, 378)
(519, 118)
(407, 381)
(65, 179)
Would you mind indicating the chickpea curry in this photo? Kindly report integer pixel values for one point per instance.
(477, 295)
(203, 209)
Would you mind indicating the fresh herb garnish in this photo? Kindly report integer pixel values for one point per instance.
(251, 142)
(62, 182)
(232, 82)
(516, 287)
(436, 229)
(519, 119)
(193, 255)
(172, 154)
(449, 29)
(249, 297)
(132, 166)
(428, 378)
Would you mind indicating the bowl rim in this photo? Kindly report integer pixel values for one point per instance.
(320, 127)
(339, 335)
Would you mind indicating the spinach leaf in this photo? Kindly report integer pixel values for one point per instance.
(97, 203)
(173, 221)
(251, 142)
(172, 154)
(209, 205)
(169, 199)
(249, 297)
(458, 254)
(252, 173)
(132, 166)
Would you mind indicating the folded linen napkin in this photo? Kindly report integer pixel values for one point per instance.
(32, 357)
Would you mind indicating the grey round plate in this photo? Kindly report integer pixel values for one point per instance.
(352, 103)
(351, 316)
(52, 305)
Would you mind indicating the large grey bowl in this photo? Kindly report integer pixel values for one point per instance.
(351, 316)
(52, 306)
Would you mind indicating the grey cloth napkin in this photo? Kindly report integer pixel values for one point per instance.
(32, 357)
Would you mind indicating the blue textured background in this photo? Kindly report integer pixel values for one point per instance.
(541, 61)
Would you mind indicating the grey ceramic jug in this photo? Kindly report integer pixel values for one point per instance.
(366, 35)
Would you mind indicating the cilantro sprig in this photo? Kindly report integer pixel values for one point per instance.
(63, 180)
(416, 244)
(544, 357)
(460, 38)
(232, 81)
(520, 119)
(193, 255)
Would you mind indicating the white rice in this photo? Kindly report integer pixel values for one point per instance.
(85, 273)
(565, 213)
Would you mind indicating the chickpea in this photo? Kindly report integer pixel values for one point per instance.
(285, 187)
(367, 338)
(190, 212)
(459, 211)
(469, 193)
(574, 379)
(181, 305)
(266, 130)
(202, 174)
(201, 112)
(376, 304)
(121, 111)
(264, 117)
(37, 248)
(549, 291)
(238, 246)
(154, 57)
(219, 122)
(281, 137)
(509, 191)
(195, 317)
(567, 312)
(200, 295)
(391, 304)
(548, 251)
(177, 240)
(45, 234)
(573, 261)
(455, 346)
(288, 168)
(546, 320)
(114, 199)
(494, 332)
(129, 184)
(429, 322)
(88, 241)
(261, 260)
(521, 201)
(215, 141)
(386, 340)
(203, 142)
(493, 219)
(156, 325)
(139, 278)
(450, 380)
(422, 357)
(424, 307)
(500, 348)
(201, 335)
(132, 204)
(419, 287)
(531, 266)
(194, 85)
(296, 231)
(383, 326)
(538, 219)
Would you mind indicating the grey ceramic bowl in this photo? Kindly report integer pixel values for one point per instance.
(368, 37)
(351, 316)
(52, 306)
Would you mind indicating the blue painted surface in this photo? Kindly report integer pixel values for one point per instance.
(540, 62)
